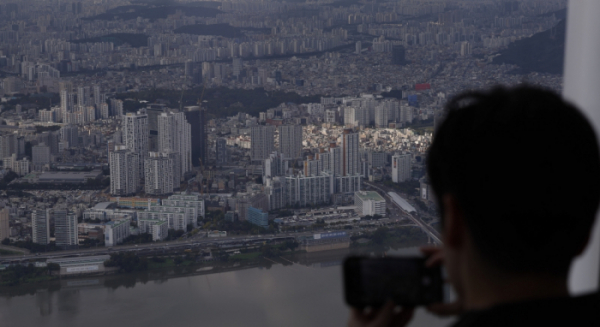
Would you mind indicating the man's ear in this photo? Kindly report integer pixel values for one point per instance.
(454, 232)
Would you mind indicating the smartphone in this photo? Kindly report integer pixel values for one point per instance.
(371, 282)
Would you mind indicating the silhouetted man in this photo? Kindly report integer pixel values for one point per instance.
(516, 174)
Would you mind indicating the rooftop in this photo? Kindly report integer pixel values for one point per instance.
(369, 195)
(105, 205)
(79, 260)
(69, 176)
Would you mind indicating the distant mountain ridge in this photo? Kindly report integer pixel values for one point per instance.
(543, 52)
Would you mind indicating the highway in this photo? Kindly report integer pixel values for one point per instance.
(196, 242)
(430, 231)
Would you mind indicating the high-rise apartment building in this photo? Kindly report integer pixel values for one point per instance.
(308, 190)
(382, 116)
(401, 168)
(98, 99)
(8, 145)
(275, 165)
(312, 167)
(83, 96)
(179, 210)
(65, 228)
(406, 114)
(196, 117)
(153, 111)
(69, 133)
(135, 137)
(189, 68)
(67, 101)
(335, 159)
(222, 152)
(331, 116)
(377, 159)
(4, 224)
(174, 135)
(350, 154)
(290, 141)
(159, 174)
(261, 141)
(40, 227)
(465, 49)
(124, 175)
(40, 156)
(349, 117)
(237, 66)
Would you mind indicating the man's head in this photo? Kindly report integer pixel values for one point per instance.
(521, 167)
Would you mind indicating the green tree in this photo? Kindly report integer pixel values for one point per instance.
(127, 262)
(380, 235)
(178, 260)
(53, 267)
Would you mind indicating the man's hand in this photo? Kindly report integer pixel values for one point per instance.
(435, 258)
(384, 317)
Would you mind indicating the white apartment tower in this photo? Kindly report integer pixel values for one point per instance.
(40, 227)
(65, 228)
(261, 142)
(382, 116)
(350, 117)
(335, 160)
(290, 141)
(159, 174)
(124, 175)
(135, 137)
(401, 168)
(175, 135)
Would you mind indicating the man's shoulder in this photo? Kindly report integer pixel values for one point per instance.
(568, 311)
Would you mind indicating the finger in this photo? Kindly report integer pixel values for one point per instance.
(357, 318)
(403, 317)
(429, 250)
(434, 260)
(384, 315)
(445, 309)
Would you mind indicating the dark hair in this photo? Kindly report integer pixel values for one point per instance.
(524, 166)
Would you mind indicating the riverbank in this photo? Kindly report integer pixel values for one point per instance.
(379, 241)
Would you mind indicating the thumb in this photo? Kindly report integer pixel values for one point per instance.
(384, 316)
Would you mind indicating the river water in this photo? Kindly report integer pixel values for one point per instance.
(306, 293)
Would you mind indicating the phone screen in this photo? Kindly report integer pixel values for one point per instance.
(373, 281)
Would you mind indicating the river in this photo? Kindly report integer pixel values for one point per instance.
(306, 293)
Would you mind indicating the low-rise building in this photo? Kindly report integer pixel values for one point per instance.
(369, 203)
(116, 231)
(81, 265)
(258, 217)
(159, 229)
